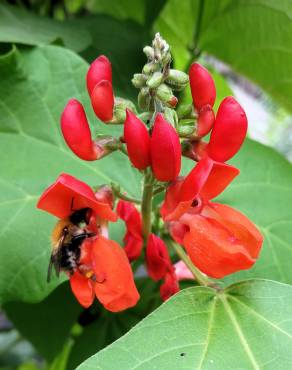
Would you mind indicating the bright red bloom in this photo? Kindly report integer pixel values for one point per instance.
(100, 69)
(221, 240)
(170, 286)
(218, 239)
(137, 140)
(100, 90)
(206, 120)
(69, 194)
(229, 130)
(165, 150)
(105, 271)
(133, 238)
(202, 86)
(102, 100)
(206, 181)
(77, 133)
(157, 258)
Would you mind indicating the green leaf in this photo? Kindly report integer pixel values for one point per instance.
(48, 322)
(33, 154)
(246, 326)
(20, 26)
(108, 327)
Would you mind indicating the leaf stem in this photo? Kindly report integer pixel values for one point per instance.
(201, 279)
(146, 208)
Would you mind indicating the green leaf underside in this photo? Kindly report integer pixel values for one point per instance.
(248, 326)
(33, 154)
(20, 26)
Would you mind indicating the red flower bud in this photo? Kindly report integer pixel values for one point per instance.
(229, 130)
(170, 286)
(76, 131)
(202, 86)
(137, 140)
(221, 240)
(115, 287)
(157, 258)
(102, 100)
(133, 238)
(69, 194)
(165, 150)
(205, 120)
(99, 70)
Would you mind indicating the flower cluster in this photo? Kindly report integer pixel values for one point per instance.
(214, 239)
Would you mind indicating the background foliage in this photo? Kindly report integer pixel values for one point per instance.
(45, 48)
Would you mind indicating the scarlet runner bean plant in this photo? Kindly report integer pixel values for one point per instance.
(211, 240)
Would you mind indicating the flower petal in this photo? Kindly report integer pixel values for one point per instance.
(221, 240)
(229, 130)
(82, 289)
(202, 86)
(69, 194)
(169, 287)
(137, 140)
(157, 257)
(115, 287)
(165, 150)
(102, 100)
(100, 69)
(76, 131)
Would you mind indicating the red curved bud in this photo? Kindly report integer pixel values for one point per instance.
(102, 100)
(221, 240)
(157, 258)
(99, 70)
(229, 130)
(169, 287)
(202, 86)
(133, 238)
(69, 194)
(76, 131)
(205, 120)
(114, 287)
(165, 150)
(137, 140)
(82, 288)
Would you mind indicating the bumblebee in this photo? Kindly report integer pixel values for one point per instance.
(67, 237)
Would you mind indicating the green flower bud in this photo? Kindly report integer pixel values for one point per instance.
(145, 116)
(149, 52)
(119, 114)
(177, 80)
(139, 80)
(186, 128)
(164, 93)
(171, 116)
(151, 68)
(166, 59)
(144, 98)
(155, 80)
(184, 110)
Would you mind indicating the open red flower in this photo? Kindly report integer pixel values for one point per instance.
(105, 272)
(133, 238)
(68, 194)
(99, 85)
(218, 239)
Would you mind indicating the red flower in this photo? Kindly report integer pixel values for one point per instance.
(69, 194)
(133, 238)
(99, 85)
(202, 86)
(169, 287)
(157, 258)
(218, 239)
(105, 272)
(165, 150)
(137, 140)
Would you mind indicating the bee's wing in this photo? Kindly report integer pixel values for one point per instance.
(55, 259)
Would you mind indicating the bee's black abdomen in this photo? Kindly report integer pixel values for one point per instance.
(70, 253)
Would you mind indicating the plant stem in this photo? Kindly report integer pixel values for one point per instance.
(146, 207)
(201, 279)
